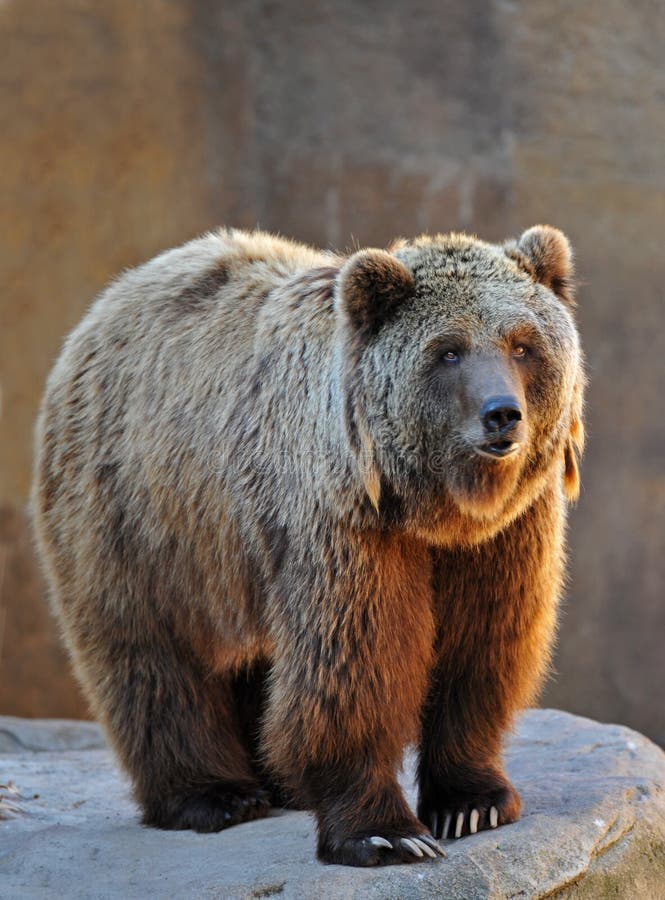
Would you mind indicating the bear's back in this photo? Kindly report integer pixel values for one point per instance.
(163, 389)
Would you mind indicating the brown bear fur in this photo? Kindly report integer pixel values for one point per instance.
(278, 539)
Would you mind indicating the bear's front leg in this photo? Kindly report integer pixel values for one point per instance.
(353, 632)
(462, 786)
(496, 611)
(363, 818)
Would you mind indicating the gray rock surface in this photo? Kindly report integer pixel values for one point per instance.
(18, 735)
(593, 827)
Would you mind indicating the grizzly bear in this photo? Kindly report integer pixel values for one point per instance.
(298, 510)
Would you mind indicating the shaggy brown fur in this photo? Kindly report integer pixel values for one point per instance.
(298, 510)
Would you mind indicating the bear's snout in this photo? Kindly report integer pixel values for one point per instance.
(501, 415)
(501, 418)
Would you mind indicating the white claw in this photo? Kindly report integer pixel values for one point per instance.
(494, 817)
(433, 844)
(459, 825)
(423, 846)
(380, 842)
(446, 826)
(412, 846)
(473, 821)
(434, 820)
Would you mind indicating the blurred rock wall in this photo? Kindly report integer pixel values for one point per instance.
(129, 127)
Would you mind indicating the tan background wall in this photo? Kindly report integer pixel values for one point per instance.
(126, 127)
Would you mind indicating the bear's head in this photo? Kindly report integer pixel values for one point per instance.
(463, 378)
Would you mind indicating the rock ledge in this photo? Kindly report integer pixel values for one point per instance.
(593, 827)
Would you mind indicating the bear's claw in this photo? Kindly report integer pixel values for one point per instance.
(379, 841)
(399, 849)
(412, 846)
(420, 846)
(423, 845)
(428, 848)
(452, 815)
(474, 821)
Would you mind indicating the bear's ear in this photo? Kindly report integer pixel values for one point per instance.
(371, 286)
(571, 453)
(574, 446)
(550, 256)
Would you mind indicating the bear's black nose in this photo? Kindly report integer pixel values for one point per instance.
(500, 414)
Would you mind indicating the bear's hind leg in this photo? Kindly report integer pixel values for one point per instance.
(250, 690)
(175, 727)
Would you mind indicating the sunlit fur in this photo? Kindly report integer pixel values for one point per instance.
(274, 553)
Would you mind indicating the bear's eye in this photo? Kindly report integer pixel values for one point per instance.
(520, 351)
(450, 356)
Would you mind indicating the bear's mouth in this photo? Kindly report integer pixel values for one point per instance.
(498, 449)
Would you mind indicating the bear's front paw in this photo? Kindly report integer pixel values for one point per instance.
(381, 847)
(454, 814)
